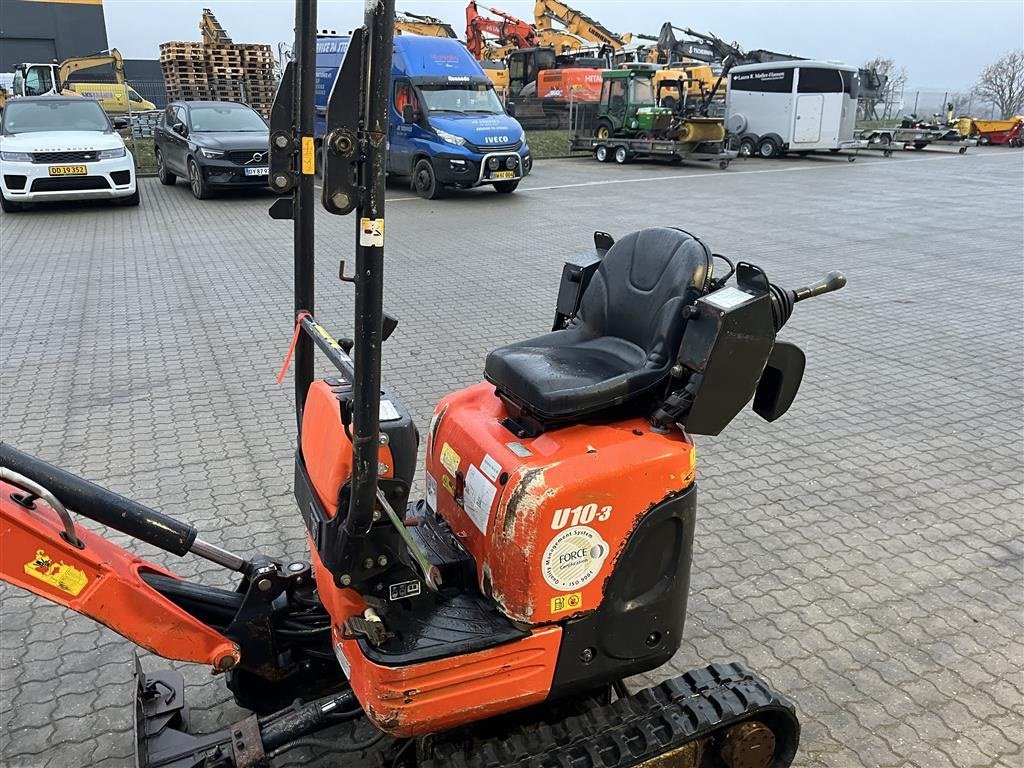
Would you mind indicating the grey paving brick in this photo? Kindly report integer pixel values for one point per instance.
(864, 552)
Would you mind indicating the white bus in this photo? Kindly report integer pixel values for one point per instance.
(792, 106)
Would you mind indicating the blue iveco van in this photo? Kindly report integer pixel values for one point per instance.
(448, 127)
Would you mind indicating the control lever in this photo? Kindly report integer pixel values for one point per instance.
(783, 299)
(833, 281)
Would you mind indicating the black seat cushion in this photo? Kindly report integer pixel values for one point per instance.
(624, 339)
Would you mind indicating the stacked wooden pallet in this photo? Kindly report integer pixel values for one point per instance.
(220, 71)
(184, 69)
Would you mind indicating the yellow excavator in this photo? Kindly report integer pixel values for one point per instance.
(575, 23)
(213, 32)
(53, 79)
(428, 26)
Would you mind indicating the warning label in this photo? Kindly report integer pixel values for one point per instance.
(570, 602)
(573, 558)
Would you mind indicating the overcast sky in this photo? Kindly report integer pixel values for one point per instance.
(942, 44)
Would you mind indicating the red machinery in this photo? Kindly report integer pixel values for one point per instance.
(535, 70)
(551, 556)
(508, 30)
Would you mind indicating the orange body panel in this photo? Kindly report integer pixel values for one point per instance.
(546, 518)
(340, 603)
(326, 449)
(101, 581)
(583, 84)
(437, 695)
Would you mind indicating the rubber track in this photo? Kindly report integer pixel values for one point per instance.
(639, 727)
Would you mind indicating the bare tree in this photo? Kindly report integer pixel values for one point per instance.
(1002, 84)
(881, 104)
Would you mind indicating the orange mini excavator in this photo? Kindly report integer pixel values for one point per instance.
(551, 556)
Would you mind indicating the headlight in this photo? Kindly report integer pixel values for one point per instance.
(522, 136)
(451, 138)
(16, 157)
(493, 163)
(110, 154)
(210, 152)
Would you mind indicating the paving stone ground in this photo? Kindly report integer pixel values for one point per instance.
(864, 552)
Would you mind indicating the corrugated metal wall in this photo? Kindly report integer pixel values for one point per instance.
(42, 30)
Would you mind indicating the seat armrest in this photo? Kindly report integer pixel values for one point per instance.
(576, 275)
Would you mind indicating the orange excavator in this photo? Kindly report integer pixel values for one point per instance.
(550, 558)
(542, 64)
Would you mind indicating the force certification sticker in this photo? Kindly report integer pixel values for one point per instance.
(573, 558)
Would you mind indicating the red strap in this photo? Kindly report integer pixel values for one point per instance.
(291, 349)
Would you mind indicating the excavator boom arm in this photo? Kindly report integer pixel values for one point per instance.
(576, 23)
(511, 33)
(112, 57)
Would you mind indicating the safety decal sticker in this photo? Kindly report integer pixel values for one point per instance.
(308, 156)
(64, 577)
(573, 558)
(571, 602)
(371, 233)
(478, 497)
(448, 484)
(519, 450)
(490, 467)
(449, 459)
(431, 492)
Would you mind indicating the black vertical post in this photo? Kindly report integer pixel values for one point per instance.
(305, 79)
(379, 22)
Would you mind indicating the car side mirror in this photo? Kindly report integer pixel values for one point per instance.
(180, 129)
(409, 114)
(121, 123)
(510, 109)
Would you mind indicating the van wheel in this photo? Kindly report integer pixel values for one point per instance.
(622, 155)
(424, 181)
(166, 177)
(604, 129)
(747, 147)
(506, 187)
(601, 153)
(9, 206)
(768, 148)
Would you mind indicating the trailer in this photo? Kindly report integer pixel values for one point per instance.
(887, 140)
(1005, 132)
(795, 107)
(591, 134)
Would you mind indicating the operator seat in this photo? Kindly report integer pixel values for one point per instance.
(622, 342)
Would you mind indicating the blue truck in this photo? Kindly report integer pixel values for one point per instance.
(448, 126)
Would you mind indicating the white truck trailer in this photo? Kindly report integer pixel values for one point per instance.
(792, 106)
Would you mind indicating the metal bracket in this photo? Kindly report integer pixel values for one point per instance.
(342, 151)
(283, 146)
(346, 278)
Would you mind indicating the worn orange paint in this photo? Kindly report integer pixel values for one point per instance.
(113, 593)
(437, 695)
(621, 468)
(326, 449)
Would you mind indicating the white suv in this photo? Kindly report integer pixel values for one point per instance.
(62, 148)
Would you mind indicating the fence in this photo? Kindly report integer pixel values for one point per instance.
(924, 103)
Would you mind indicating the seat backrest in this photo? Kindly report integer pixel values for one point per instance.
(639, 291)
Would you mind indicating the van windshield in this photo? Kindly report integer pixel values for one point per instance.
(470, 98)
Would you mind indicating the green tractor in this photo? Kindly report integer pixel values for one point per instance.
(632, 106)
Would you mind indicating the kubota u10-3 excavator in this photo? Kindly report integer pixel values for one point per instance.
(551, 556)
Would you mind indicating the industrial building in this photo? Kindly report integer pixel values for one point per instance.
(43, 30)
